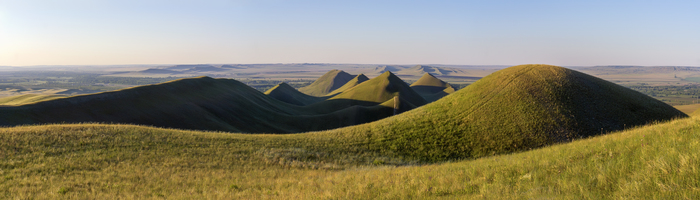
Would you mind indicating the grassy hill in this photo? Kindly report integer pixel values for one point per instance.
(432, 88)
(195, 103)
(286, 93)
(352, 83)
(27, 99)
(381, 89)
(330, 81)
(96, 161)
(514, 109)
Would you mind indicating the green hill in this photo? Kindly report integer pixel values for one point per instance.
(431, 88)
(330, 81)
(199, 104)
(381, 89)
(286, 93)
(514, 109)
(27, 99)
(352, 83)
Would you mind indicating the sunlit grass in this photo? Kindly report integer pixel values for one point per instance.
(120, 161)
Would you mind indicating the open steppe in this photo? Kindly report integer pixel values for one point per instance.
(529, 131)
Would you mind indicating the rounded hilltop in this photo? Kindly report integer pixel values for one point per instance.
(330, 81)
(514, 109)
(432, 88)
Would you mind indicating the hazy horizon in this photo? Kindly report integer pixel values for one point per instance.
(590, 33)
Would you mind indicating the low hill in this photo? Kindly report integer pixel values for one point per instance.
(160, 71)
(422, 69)
(330, 81)
(205, 69)
(286, 93)
(431, 88)
(195, 103)
(385, 68)
(352, 83)
(514, 109)
(381, 89)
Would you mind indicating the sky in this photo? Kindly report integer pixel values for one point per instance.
(467, 32)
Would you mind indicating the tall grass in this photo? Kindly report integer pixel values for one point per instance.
(658, 161)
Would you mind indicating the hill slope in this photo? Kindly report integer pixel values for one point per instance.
(352, 83)
(514, 109)
(122, 161)
(328, 82)
(286, 93)
(381, 89)
(431, 88)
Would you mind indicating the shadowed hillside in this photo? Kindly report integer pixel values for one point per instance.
(330, 81)
(381, 89)
(432, 88)
(195, 103)
(352, 83)
(515, 109)
(286, 93)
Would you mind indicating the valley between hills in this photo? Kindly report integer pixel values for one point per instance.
(527, 131)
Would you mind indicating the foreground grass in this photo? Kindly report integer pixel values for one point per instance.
(119, 161)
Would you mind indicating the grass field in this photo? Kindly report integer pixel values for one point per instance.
(121, 161)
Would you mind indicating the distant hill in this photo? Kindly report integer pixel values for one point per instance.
(286, 93)
(514, 109)
(385, 68)
(233, 66)
(381, 89)
(639, 69)
(330, 81)
(160, 71)
(422, 69)
(432, 88)
(195, 103)
(186, 67)
(352, 83)
(205, 69)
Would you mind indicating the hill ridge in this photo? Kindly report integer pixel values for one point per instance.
(381, 89)
(352, 83)
(286, 93)
(330, 81)
(432, 88)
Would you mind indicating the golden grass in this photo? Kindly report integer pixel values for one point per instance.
(688, 109)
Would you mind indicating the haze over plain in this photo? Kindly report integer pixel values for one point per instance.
(386, 32)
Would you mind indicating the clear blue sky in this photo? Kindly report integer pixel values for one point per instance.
(492, 32)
